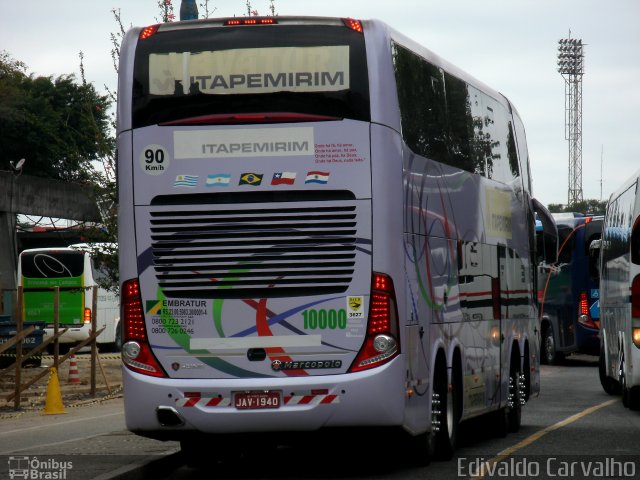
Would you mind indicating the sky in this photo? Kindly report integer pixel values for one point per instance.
(511, 45)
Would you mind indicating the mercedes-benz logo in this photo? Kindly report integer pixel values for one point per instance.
(276, 365)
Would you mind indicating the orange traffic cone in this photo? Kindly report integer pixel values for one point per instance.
(74, 375)
(54, 404)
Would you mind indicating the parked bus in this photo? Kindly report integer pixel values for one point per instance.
(620, 295)
(570, 315)
(322, 224)
(75, 271)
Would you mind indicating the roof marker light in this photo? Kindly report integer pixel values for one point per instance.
(355, 25)
(251, 21)
(149, 31)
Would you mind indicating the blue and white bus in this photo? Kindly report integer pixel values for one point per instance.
(570, 313)
(322, 225)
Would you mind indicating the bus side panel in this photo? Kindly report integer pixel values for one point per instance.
(390, 255)
(126, 218)
(431, 275)
(616, 275)
(496, 289)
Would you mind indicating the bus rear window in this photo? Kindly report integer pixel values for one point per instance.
(52, 265)
(310, 69)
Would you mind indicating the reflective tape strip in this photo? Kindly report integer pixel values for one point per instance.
(311, 399)
(203, 402)
(287, 400)
(214, 402)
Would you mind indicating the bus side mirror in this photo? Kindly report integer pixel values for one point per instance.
(594, 259)
(549, 231)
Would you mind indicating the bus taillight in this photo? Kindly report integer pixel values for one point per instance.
(86, 317)
(136, 353)
(584, 317)
(381, 342)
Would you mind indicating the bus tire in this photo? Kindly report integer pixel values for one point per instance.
(623, 381)
(634, 398)
(609, 384)
(447, 397)
(499, 421)
(550, 355)
(419, 449)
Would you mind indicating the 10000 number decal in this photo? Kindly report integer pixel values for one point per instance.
(323, 319)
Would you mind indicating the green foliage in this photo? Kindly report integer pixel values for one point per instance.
(588, 207)
(58, 125)
(62, 128)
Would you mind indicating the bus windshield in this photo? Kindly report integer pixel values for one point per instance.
(304, 69)
(51, 264)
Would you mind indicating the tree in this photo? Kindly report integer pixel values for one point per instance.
(58, 125)
(588, 207)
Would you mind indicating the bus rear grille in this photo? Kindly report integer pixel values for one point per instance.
(243, 251)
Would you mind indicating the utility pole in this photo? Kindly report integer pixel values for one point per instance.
(601, 161)
(571, 67)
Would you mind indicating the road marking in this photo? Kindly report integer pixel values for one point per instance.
(40, 427)
(507, 452)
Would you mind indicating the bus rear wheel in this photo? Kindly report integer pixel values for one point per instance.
(630, 395)
(446, 415)
(515, 397)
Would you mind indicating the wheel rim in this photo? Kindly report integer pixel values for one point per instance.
(549, 347)
(449, 397)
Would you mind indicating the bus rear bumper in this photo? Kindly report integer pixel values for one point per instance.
(363, 399)
(74, 334)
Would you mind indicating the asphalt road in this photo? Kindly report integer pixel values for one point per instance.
(571, 430)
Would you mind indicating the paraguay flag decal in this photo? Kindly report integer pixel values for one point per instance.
(317, 177)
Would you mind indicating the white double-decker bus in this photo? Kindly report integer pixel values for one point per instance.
(620, 299)
(322, 225)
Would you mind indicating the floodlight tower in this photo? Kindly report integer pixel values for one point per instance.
(571, 67)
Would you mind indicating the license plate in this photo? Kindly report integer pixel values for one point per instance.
(256, 400)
